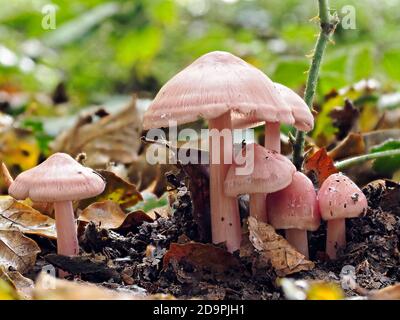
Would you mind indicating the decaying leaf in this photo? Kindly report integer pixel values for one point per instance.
(202, 257)
(117, 190)
(6, 178)
(344, 118)
(352, 145)
(23, 286)
(17, 251)
(50, 288)
(324, 291)
(320, 164)
(274, 248)
(110, 138)
(19, 148)
(16, 215)
(384, 194)
(7, 292)
(388, 293)
(109, 215)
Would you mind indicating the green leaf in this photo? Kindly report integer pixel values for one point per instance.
(387, 165)
(391, 63)
(291, 72)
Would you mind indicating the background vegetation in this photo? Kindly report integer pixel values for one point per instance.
(103, 48)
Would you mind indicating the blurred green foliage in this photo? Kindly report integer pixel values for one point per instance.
(102, 48)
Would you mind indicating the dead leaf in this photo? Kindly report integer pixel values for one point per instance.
(18, 147)
(324, 291)
(117, 190)
(352, 145)
(16, 215)
(110, 138)
(17, 251)
(344, 118)
(374, 138)
(22, 285)
(202, 256)
(109, 215)
(6, 177)
(383, 194)
(274, 248)
(388, 293)
(320, 164)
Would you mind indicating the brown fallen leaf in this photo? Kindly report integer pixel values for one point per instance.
(109, 215)
(384, 194)
(110, 138)
(202, 257)
(16, 215)
(6, 177)
(22, 285)
(344, 118)
(117, 190)
(320, 164)
(388, 293)
(275, 249)
(50, 288)
(17, 251)
(352, 145)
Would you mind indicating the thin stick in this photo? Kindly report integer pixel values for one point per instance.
(344, 164)
(328, 24)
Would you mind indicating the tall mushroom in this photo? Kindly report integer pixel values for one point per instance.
(295, 209)
(59, 179)
(215, 87)
(271, 172)
(339, 198)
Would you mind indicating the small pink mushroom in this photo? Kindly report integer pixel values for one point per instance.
(339, 198)
(271, 172)
(59, 179)
(295, 209)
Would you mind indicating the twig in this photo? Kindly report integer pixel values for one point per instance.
(340, 165)
(328, 25)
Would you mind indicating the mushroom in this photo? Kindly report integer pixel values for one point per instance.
(295, 209)
(216, 87)
(59, 179)
(304, 119)
(339, 198)
(271, 172)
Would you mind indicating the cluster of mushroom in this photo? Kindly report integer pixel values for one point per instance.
(230, 93)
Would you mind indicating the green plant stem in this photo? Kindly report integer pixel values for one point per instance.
(340, 165)
(328, 24)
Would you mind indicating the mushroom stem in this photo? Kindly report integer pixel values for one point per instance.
(67, 239)
(298, 239)
(272, 136)
(336, 236)
(258, 207)
(225, 218)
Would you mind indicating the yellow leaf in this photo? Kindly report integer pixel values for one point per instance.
(325, 291)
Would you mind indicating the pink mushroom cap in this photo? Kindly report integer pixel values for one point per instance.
(340, 198)
(295, 207)
(59, 178)
(271, 172)
(304, 119)
(212, 85)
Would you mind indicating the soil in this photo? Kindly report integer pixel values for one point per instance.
(144, 260)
